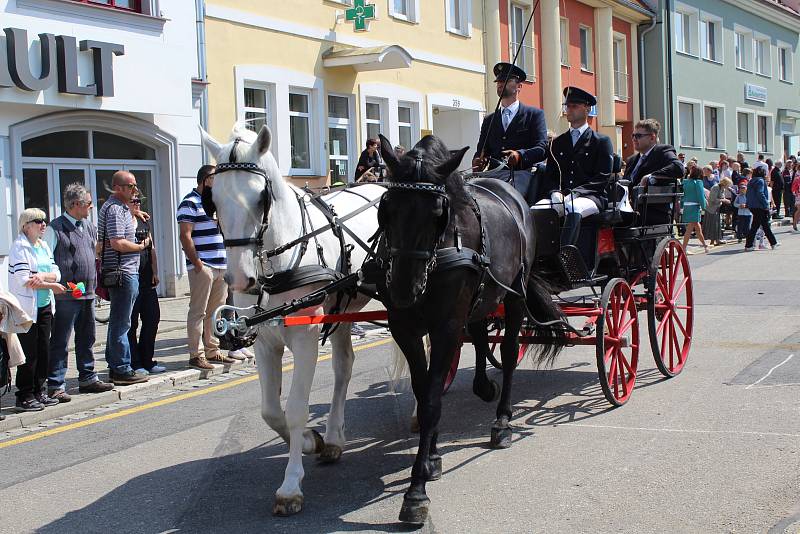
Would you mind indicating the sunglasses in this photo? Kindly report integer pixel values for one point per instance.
(136, 201)
(129, 186)
(38, 221)
(640, 135)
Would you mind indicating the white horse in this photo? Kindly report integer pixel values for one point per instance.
(241, 198)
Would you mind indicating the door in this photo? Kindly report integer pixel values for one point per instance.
(65, 175)
(36, 189)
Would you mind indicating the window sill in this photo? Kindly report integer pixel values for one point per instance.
(715, 149)
(692, 147)
(789, 82)
(621, 99)
(745, 69)
(566, 66)
(459, 33)
(587, 71)
(713, 61)
(763, 75)
(403, 18)
(127, 19)
(304, 173)
(687, 54)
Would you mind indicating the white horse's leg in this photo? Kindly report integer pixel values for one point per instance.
(270, 376)
(303, 344)
(343, 357)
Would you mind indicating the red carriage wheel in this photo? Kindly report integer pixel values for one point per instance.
(617, 342)
(496, 360)
(670, 307)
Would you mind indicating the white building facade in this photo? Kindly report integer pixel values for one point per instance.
(91, 87)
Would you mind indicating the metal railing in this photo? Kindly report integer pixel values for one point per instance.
(621, 85)
(526, 60)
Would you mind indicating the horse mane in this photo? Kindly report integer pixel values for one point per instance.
(434, 153)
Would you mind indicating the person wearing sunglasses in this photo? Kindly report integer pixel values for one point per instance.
(33, 278)
(653, 164)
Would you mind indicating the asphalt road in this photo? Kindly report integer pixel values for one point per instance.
(716, 449)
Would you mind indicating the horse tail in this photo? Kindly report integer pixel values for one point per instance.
(399, 374)
(547, 321)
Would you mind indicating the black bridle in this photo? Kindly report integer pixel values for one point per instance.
(266, 197)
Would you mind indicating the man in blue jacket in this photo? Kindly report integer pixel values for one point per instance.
(758, 203)
(516, 132)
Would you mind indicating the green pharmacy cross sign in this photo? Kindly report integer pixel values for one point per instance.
(360, 14)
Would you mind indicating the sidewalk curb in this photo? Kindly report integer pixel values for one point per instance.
(83, 402)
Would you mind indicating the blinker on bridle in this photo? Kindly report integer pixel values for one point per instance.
(266, 196)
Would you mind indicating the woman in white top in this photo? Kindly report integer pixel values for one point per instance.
(33, 278)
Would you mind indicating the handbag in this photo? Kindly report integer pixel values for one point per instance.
(108, 277)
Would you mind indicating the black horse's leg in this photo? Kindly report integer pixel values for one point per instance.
(486, 389)
(509, 350)
(416, 501)
(435, 459)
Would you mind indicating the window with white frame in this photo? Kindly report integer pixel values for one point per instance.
(458, 16)
(405, 124)
(785, 63)
(564, 41)
(689, 122)
(764, 134)
(620, 58)
(527, 54)
(743, 49)
(404, 10)
(373, 118)
(300, 131)
(761, 56)
(686, 37)
(715, 127)
(744, 128)
(256, 110)
(339, 136)
(711, 38)
(587, 56)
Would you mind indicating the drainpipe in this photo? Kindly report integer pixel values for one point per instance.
(202, 66)
(642, 76)
(668, 75)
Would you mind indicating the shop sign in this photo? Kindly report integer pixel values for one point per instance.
(755, 92)
(59, 64)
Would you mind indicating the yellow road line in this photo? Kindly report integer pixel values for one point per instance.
(164, 402)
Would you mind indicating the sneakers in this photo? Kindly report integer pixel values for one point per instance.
(157, 369)
(126, 379)
(200, 363)
(357, 330)
(60, 395)
(246, 352)
(95, 387)
(220, 358)
(29, 405)
(237, 355)
(749, 249)
(45, 400)
(141, 371)
(776, 245)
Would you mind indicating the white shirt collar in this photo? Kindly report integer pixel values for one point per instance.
(582, 129)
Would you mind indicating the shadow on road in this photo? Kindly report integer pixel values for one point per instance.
(233, 491)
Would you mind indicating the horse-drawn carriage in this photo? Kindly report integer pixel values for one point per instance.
(500, 278)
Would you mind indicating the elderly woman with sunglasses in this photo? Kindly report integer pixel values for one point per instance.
(33, 277)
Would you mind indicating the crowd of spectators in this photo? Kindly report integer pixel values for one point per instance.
(741, 198)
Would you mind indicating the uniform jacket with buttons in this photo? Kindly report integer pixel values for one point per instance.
(526, 133)
(584, 168)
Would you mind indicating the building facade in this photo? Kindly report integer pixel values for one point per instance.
(730, 68)
(326, 75)
(89, 89)
(591, 44)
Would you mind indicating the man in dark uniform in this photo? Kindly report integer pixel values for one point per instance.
(653, 164)
(579, 166)
(516, 132)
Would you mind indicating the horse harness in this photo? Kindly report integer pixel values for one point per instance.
(295, 276)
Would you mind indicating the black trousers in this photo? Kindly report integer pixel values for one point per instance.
(777, 195)
(146, 307)
(32, 375)
(760, 220)
(788, 199)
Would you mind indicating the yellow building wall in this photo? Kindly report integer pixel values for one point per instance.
(230, 44)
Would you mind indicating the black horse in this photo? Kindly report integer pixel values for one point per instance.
(453, 251)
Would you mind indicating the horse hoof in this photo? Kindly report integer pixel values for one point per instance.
(330, 454)
(414, 511)
(487, 391)
(501, 438)
(435, 469)
(414, 425)
(286, 506)
(319, 443)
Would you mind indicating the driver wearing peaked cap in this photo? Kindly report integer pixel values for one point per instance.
(579, 166)
(515, 131)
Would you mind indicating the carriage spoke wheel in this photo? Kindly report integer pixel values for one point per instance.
(617, 342)
(670, 308)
